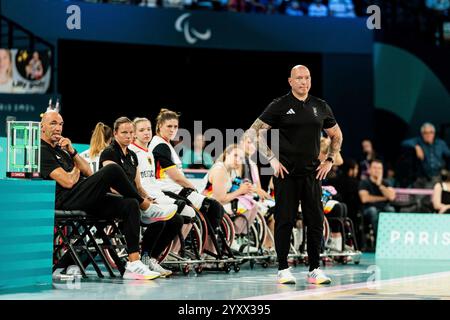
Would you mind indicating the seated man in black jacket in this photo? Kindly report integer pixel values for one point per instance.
(78, 189)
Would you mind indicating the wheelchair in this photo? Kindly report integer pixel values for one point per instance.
(201, 246)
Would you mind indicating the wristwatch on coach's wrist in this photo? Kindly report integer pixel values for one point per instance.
(330, 159)
(74, 153)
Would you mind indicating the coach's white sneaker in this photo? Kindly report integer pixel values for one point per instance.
(318, 277)
(136, 270)
(158, 212)
(285, 277)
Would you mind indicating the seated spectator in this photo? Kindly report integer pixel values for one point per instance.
(150, 3)
(347, 185)
(294, 9)
(258, 6)
(440, 5)
(390, 175)
(375, 194)
(100, 139)
(197, 158)
(341, 8)
(173, 4)
(317, 9)
(237, 5)
(164, 224)
(431, 153)
(368, 154)
(78, 189)
(441, 194)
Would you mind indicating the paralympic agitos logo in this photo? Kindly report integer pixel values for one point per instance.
(190, 33)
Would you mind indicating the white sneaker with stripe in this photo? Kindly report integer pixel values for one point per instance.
(136, 270)
(318, 277)
(285, 277)
(158, 212)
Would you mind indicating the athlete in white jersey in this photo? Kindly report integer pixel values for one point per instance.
(146, 165)
(168, 172)
(100, 139)
(93, 162)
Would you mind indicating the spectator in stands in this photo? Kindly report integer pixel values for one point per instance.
(100, 139)
(341, 8)
(368, 154)
(164, 224)
(317, 9)
(258, 6)
(150, 3)
(197, 158)
(294, 9)
(390, 175)
(437, 11)
(430, 152)
(78, 189)
(347, 185)
(237, 5)
(6, 80)
(375, 194)
(179, 4)
(441, 193)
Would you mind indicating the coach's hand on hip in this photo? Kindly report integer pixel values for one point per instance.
(323, 169)
(278, 168)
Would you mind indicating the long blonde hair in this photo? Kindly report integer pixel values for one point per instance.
(99, 139)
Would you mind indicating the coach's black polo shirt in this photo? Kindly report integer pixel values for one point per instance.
(53, 158)
(128, 162)
(300, 125)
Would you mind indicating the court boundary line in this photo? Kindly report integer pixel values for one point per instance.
(345, 287)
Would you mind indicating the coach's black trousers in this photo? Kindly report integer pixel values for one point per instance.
(159, 235)
(90, 196)
(288, 193)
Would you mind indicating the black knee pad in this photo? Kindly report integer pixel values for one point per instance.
(180, 204)
(185, 192)
(212, 206)
(178, 221)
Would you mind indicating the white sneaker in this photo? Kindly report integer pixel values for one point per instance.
(318, 277)
(240, 246)
(136, 270)
(285, 277)
(73, 270)
(235, 246)
(335, 244)
(158, 212)
(155, 266)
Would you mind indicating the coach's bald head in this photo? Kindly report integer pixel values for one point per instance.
(300, 81)
(51, 127)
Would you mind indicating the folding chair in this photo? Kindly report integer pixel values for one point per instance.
(74, 238)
